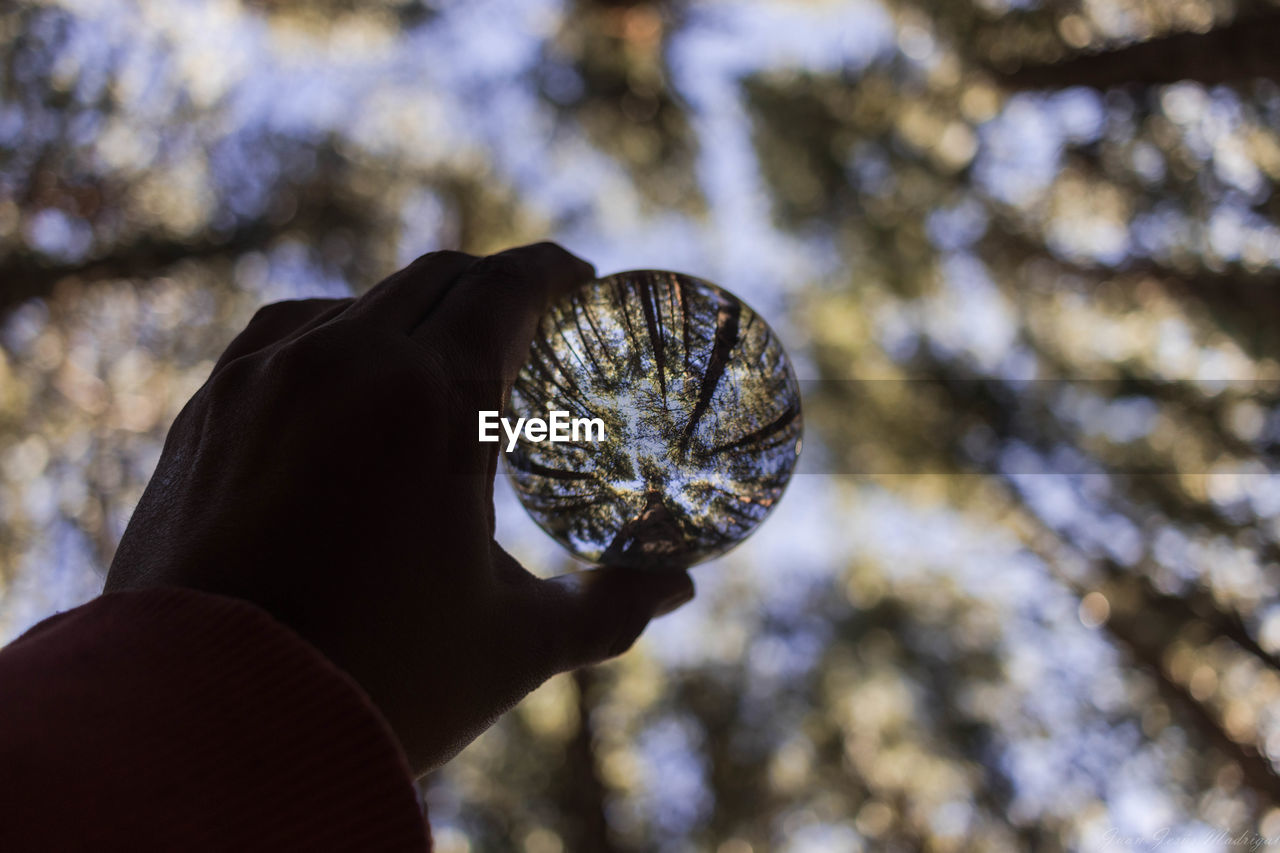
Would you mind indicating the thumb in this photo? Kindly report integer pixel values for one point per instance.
(595, 615)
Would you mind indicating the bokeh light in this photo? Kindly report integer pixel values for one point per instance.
(1022, 593)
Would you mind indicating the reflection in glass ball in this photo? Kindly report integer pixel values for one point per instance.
(701, 412)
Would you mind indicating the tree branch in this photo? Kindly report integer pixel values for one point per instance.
(1258, 771)
(1243, 50)
(26, 275)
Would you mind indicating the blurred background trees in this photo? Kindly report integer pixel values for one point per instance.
(1025, 253)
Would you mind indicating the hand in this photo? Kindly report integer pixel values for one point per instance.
(329, 471)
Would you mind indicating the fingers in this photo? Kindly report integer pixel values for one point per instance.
(508, 569)
(586, 617)
(403, 299)
(493, 311)
(281, 321)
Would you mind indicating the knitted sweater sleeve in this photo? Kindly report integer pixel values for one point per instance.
(170, 719)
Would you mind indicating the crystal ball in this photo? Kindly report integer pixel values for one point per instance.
(699, 409)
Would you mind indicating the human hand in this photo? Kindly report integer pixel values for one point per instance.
(329, 471)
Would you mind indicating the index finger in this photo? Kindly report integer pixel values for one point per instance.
(492, 312)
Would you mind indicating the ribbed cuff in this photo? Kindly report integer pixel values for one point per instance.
(175, 719)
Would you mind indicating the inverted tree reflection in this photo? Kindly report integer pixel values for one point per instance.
(701, 412)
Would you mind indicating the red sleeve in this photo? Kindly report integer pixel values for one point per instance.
(178, 720)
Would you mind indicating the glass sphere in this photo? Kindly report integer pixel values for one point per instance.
(699, 408)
